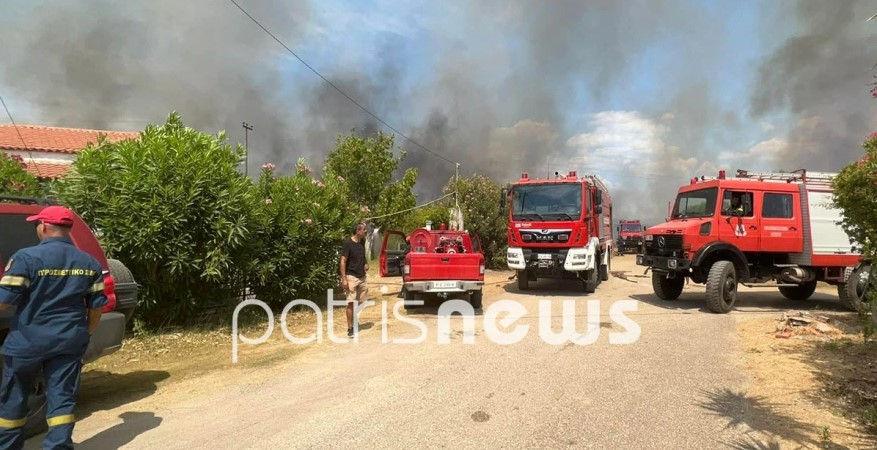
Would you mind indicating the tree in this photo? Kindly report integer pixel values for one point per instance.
(174, 208)
(368, 165)
(479, 201)
(396, 197)
(15, 179)
(436, 213)
(856, 194)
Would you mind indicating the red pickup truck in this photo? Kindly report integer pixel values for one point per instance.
(434, 262)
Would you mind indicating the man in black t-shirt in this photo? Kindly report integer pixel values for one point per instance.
(353, 271)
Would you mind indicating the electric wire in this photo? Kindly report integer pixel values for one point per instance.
(339, 89)
(412, 209)
(36, 166)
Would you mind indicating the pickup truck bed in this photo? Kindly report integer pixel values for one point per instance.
(435, 262)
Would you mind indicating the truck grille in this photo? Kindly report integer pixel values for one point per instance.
(664, 245)
(552, 236)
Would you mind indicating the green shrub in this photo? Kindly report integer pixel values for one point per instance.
(15, 179)
(300, 225)
(171, 206)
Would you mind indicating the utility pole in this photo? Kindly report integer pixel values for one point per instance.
(456, 182)
(247, 129)
(458, 211)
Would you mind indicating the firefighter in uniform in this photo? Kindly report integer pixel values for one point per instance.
(57, 292)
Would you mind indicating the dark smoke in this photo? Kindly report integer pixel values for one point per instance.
(493, 93)
(500, 105)
(821, 77)
(120, 65)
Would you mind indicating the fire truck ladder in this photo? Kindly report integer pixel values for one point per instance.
(789, 177)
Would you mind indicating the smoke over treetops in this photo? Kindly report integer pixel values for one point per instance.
(644, 94)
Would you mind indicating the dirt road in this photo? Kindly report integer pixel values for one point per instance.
(680, 384)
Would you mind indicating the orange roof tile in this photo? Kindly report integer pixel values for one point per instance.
(47, 170)
(54, 139)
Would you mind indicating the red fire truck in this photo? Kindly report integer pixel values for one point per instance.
(559, 228)
(630, 236)
(758, 229)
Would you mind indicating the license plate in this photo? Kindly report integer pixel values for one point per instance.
(544, 256)
(444, 284)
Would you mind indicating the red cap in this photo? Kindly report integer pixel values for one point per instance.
(55, 215)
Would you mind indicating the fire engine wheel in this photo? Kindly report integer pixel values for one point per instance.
(721, 287)
(604, 270)
(523, 280)
(799, 292)
(852, 292)
(667, 288)
(590, 283)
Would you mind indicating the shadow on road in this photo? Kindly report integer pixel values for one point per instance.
(432, 303)
(133, 424)
(747, 301)
(759, 416)
(102, 391)
(549, 287)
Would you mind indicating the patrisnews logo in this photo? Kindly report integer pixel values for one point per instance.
(499, 322)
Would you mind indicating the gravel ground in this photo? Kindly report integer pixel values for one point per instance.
(679, 385)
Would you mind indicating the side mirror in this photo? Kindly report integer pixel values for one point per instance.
(599, 209)
(599, 200)
(503, 194)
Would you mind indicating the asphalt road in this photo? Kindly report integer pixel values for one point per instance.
(676, 386)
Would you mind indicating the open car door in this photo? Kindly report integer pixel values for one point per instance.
(393, 250)
(476, 244)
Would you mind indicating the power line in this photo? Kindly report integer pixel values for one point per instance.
(36, 166)
(412, 209)
(337, 88)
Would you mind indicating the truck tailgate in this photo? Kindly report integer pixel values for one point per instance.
(444, 266)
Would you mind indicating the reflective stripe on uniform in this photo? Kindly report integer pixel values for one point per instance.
(97, 287)
(13, 280)
(60, 420)
(15, 423)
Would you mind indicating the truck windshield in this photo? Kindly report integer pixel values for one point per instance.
(699, 203)
(547, 202)
(631, 228)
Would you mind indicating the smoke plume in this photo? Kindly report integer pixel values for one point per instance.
(499, 87)
(820, 78)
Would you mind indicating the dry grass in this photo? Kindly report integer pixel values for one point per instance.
(828, 382)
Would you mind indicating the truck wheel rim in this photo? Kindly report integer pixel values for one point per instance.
(730, 287)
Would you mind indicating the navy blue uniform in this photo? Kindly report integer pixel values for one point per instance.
(52, 285)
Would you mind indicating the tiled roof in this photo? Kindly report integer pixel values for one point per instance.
(54, 139)
(47, 170)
